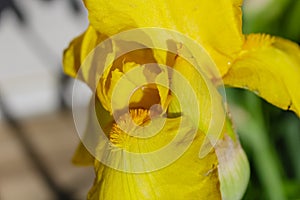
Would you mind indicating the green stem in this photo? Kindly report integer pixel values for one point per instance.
(292, 139)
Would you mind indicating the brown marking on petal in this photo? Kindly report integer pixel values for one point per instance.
(213, 168)
(289, 106)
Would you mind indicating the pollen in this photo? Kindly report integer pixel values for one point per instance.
(123, 129)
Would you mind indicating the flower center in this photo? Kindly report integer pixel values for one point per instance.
(123, 130)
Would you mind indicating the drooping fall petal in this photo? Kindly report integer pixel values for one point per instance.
(187, 178)
(214, 24)
(223, 173)
(270, 67)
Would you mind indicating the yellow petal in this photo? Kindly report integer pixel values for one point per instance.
(71, 58)
(84, 154)
(189, 177)
(163, 89)
(118, 62)
(133, 85)
(78, 50)
(211, 112)
(270, 67)
(222, 173)
(214, 24)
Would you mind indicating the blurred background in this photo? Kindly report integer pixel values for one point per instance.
(37, 133)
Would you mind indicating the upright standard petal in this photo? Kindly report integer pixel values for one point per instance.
(215, 24)
(270, 67)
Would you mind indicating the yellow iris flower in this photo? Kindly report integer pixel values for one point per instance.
(266, 65)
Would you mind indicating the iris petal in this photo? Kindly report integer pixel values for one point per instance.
(214, 24)
(270, 67)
